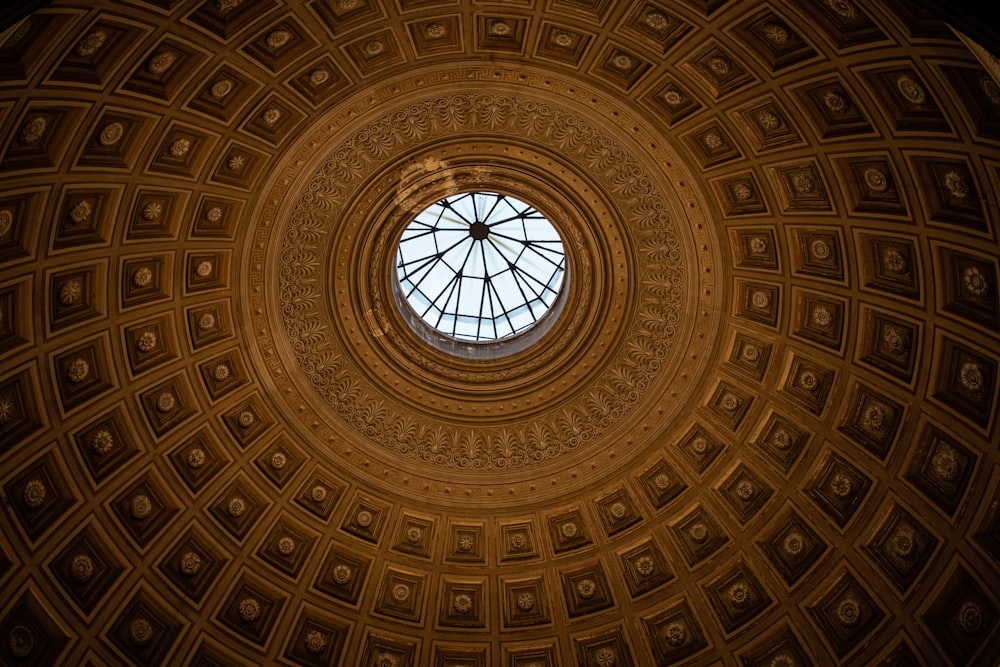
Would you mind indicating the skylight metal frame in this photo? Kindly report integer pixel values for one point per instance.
(480, 266)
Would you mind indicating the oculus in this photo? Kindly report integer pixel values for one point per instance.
(480, 266)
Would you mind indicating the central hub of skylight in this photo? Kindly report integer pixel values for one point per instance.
(480, 266)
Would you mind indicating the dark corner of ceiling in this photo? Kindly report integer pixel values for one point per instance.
(13, 11)
(967, 16)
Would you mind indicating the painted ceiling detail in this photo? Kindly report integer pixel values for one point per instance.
(758, 428)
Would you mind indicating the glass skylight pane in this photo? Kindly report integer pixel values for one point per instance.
(480, 266)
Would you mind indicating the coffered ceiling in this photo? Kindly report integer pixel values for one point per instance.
(759, 429)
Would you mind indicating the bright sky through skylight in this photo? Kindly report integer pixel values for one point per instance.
(480, 266)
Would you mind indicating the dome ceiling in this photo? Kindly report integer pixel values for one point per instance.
(758, 428)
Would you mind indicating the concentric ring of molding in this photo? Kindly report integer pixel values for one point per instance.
(346, 358)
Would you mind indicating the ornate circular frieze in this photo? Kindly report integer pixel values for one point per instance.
(347, 353)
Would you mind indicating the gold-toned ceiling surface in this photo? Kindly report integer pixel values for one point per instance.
(762, 430)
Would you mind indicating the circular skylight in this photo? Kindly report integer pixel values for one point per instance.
(480, 266)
